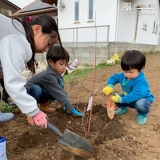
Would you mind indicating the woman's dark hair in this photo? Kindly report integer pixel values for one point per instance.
(48, 25)
(133, 59)
(56, 53)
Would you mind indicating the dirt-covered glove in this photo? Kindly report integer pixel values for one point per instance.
(116, 98)
(40, 119)
(108, 89)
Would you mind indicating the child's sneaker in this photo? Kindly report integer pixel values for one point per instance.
(121, 111)
(141, 118)
(77, 113)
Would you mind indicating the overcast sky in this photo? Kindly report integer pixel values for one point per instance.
(21, 3)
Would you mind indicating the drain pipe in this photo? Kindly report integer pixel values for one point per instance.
(117, 20)
(136, 27)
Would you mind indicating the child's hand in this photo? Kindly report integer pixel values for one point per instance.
(108, 89)
(116, 98)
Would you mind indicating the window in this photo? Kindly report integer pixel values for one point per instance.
(126, 7)
(76, 11)
(156, 30)
(90, 10)
(144, 26)
(154, 27)
(5, 12)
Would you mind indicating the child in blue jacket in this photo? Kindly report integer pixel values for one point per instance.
(136, 90)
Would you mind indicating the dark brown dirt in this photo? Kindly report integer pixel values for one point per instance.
(117, 139)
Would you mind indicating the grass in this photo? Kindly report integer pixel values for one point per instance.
(80, 73)
(151, 52)
(4, 107)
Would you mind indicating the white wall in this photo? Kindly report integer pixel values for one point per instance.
(127, 23)
(122, 25)
(148, 17)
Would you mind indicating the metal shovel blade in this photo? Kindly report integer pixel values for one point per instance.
(110, 107)
(72, 142)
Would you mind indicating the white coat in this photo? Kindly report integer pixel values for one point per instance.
(15, 52)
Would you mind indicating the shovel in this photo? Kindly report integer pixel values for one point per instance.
(110, 107)
(72, 142)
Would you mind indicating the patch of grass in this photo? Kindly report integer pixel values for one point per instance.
(151, 52)
(4, 107)
(79, 73)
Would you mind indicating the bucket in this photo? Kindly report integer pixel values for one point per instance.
(3, 148)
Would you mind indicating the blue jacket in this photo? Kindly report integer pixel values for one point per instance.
(135, 89)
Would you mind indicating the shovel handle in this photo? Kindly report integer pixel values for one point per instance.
(54, 129)
(110, 103)
(109, 98)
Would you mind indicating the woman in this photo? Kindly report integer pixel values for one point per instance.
(19, 41)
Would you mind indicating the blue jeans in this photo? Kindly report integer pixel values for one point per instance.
(40, 94)
(142, 105)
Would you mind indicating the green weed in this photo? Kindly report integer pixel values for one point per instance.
(4, 107)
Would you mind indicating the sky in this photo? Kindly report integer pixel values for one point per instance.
(21, 3)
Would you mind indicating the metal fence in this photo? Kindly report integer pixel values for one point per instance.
(85, 35)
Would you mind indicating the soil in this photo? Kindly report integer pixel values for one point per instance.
(117, 139)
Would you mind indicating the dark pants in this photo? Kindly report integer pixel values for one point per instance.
(5, 95)
(40, 94)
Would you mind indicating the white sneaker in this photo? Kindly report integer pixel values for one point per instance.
(4, 117)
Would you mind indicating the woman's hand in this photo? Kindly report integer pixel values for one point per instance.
(40, 119)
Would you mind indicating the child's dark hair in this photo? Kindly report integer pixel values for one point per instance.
(56, 53)
(48, 25)
(133, 59)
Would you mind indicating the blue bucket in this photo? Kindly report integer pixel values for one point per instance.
(3, 148)
(2, 139)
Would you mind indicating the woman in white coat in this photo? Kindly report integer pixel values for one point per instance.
(19, 41)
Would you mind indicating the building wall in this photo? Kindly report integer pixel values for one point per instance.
(124, 26)
(104, 14)
(4, 5)
(122, 29)
(86, 55)
(126, 31)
